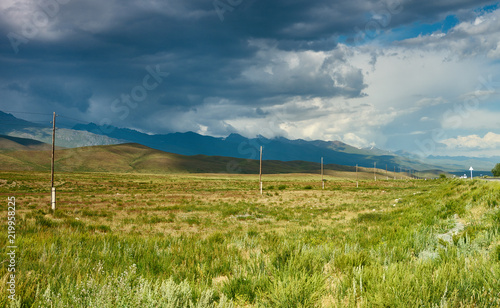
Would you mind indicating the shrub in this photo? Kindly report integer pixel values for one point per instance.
(497, 253)
(452, 207)
(59, 214)
(192, 220)
(496, 170)
(347, 261)
(252, 233)
(240, 287)
(295, 290)
(45, 222)
(73, 223)
(129, 290)
(103, 228)
(373, 217)
(496, 217)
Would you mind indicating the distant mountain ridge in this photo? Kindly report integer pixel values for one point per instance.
(67, 138)
(284, 149)
(11, 122)
(237, 146)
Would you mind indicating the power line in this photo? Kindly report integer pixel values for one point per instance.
(77, 120)
(24, 125)
(46, 114)
(24, 112)
(17, 121)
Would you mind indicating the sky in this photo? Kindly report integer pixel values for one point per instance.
(418, 76)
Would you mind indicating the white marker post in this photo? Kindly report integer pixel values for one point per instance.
(53, 189)
(471, 169)
(53, 199)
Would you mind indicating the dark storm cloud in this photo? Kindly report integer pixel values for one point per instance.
(90, 52)
(56, 91)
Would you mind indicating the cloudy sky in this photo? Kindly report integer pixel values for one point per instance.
(421, 76)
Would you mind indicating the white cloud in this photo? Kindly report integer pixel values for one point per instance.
(459, 117)
(400, 82)
(355, 140)
(318, 73)
(407, 78)
(494, 53)
(489, 141)
(33, 19)
(470, 38)
(315, 118)
(418, 132)
(430, 101)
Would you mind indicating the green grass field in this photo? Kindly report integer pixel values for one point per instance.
(211, 240)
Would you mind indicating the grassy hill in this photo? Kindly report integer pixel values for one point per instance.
(131, 157)
(9, 143)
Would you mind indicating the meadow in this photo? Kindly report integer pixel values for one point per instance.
(211, 240)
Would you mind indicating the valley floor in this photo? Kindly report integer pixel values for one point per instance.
(211, 240)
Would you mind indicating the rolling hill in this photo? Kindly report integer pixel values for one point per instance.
(9, 143)
(138, 158)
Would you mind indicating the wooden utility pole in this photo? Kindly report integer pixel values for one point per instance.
(53, 189)
(322, 181)
(260, 170)
(374, 170)
(357, 184)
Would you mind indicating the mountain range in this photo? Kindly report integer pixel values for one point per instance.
(133, 157)
(237, 146)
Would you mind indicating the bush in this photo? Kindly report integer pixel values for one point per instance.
(242, 288)
(496, 253)
(347, 261)
(295, 290)
(452, 207)
(496, 170)
(73, 223)
(103, 228)
(496, 217)
(45, 222)
(130, 290)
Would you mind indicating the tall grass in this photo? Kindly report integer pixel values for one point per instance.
(190, 247)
